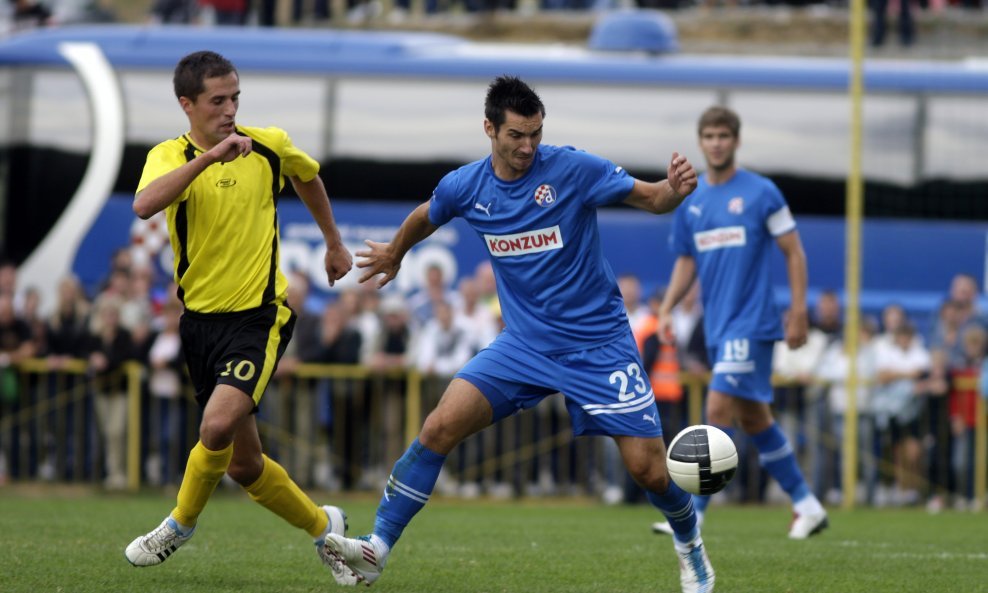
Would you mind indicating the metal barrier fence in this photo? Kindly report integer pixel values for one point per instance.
(340, 427)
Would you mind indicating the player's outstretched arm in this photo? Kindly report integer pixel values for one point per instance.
(663, 196)
(313, 194)
(160, 193)
(385, 258)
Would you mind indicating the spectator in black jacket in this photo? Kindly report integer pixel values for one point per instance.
(67, 325)
(338, 342)
(15, 346)
(109, 346)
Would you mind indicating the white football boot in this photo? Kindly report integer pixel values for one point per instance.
(337, 524)
(805, 525)
(695, 573)
(154, 548)
(662, 527)
(363, 557)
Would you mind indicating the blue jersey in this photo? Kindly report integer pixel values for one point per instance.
(729, 230)
(557, 292)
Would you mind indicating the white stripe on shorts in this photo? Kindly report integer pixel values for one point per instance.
(621, 408)
(734, 367)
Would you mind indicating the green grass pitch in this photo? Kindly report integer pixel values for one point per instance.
(54, 541)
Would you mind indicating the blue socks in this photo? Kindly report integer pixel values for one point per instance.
(777, 457)
(409, 487)
(677, 506)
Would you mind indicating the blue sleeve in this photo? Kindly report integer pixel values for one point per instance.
(444, 204)
(679, 237)
(608, 182)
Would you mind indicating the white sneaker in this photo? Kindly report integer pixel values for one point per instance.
(613, 495)
(363, 558)
(337, 524)
(154, 548)
(662, 527)
(695, 573)
(803, 526)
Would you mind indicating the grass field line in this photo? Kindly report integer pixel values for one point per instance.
(925, 556)
(932, 555)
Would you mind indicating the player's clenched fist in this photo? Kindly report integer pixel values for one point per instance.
(681, 175)
(231, 147)
(338, 262)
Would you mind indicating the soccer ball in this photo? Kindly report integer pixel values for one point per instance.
(702, 459)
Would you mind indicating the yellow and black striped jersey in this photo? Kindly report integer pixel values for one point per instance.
(224, 226)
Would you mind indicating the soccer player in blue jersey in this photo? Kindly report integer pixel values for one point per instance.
(723, 234)
(534, 207)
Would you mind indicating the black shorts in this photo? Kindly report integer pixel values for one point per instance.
(241, 349)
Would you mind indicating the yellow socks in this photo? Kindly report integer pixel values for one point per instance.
(273, 489)
(203, 472)
(279, 494)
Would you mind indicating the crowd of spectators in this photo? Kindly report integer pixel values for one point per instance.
(915, 402)
(19, 15)
(131, 316)
(267, 12)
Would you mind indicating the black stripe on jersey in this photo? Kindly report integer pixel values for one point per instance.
(182, 231)
(286, 333)
(275, 164)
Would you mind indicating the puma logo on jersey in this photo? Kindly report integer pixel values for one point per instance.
(650, 418)
(694, 209)
(485, 209)
(525, 243)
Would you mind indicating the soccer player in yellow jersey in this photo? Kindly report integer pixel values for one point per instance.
(219, 186)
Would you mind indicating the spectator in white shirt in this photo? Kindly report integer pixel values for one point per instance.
(444, 344)
(896, 403)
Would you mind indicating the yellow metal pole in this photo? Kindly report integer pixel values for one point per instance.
(695, 387)
(413, 406)
(852, 271)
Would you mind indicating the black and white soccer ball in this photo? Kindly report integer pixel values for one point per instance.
(702, 459)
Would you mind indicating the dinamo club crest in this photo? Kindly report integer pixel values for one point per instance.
(545, 195)
(736, 205)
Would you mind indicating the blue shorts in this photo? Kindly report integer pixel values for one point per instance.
(743, 368)
(606, 391)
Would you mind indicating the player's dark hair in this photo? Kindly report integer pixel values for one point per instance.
(192, 71)
(719, 116)
(509, 93)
